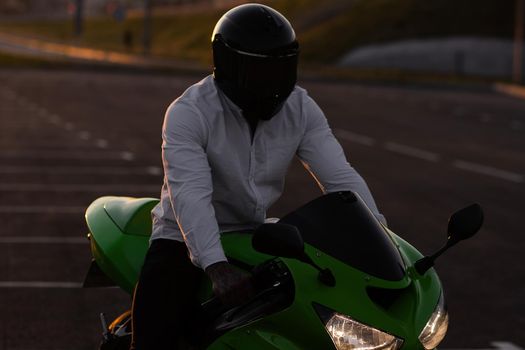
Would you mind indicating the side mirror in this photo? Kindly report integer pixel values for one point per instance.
(278, 239)
(462, 225)
(465, 223)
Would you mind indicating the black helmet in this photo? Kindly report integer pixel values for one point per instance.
(255, 59)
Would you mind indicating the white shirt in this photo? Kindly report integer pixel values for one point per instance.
(217, 179)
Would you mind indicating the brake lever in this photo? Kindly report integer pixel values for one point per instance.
(256, 297)
(214, 306)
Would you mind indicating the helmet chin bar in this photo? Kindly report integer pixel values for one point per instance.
(254, 107)
(263, 112)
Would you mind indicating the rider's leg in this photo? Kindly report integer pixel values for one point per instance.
(165, 296)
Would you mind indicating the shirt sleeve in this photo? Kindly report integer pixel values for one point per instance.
(189, 181)
(323, 156)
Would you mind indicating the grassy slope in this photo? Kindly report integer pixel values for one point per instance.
(10, 60)
(182, 37)
(373, 21)
(325, 34)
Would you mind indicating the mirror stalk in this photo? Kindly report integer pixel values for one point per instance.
(325, 275)
(424, 264)
(285, 241)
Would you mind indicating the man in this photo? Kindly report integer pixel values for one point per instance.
(227, 144)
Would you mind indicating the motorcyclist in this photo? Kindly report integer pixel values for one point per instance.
(227, 143)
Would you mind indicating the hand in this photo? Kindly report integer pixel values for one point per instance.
(231, 285)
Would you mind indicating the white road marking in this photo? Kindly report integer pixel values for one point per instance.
(83, 170)
(101, 143)
(505, 346)
(43, 240)
(42, 112)
(69, 126)
(30, 105)
(412, 151)
(27, 209)
(498, 345)
(490, 171)
(84, 135)
(129, 156)
(353, 137)
(108, 188)
(154, 170)
(39, 284)
(66, 154)
(54, 119)
(432, 156)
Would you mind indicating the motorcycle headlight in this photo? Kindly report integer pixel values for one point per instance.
(349, 334)
(436, 327)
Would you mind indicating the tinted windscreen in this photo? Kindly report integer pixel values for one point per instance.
(341, 225)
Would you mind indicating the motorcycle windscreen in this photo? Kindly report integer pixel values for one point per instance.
(341, 225)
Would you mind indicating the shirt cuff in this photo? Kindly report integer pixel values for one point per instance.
(215, 256)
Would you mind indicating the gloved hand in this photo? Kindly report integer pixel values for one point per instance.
(231, 285)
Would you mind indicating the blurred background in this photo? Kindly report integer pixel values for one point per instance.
(426, 98)
(474, 39)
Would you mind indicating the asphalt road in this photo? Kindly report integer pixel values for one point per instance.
(69, 137)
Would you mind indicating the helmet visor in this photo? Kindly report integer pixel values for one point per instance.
(268, 76)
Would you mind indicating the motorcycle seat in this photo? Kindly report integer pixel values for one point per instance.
(131, 215)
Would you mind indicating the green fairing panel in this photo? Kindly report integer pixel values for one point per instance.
(405, 317)
(265, 334)
(132, 215)
(117, 246)
(427, 288)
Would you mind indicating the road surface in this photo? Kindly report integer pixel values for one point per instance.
(69, 137)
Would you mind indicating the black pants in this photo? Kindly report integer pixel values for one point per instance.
(165, 299)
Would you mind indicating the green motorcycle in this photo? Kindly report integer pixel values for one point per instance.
(328, 275)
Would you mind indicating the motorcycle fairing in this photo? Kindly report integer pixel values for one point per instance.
(405, 317)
